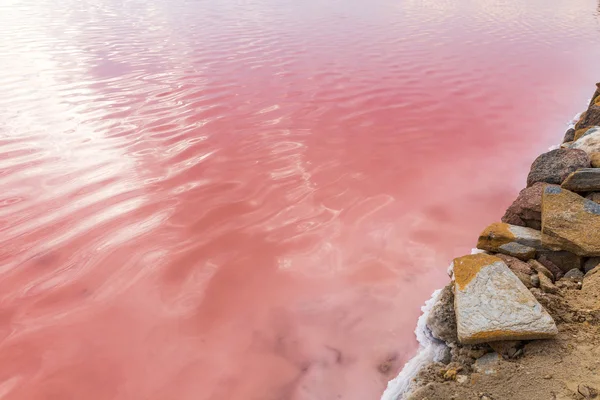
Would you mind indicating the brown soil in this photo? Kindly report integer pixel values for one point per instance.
(567, 367)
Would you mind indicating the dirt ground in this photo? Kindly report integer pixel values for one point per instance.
(567, 367)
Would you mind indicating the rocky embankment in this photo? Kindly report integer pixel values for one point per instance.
(521, 317)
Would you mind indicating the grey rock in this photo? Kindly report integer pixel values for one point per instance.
(492, 304)
(574, 275)
(564, 260)
(546, 284)
(555, 165)
(517, 250)
(583, 180)
(595, 197)
(569, 135)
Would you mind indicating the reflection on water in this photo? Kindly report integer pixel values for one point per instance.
(222, 200)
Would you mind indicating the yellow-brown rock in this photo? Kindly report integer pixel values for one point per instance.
(516, 241)
(570, 222)
(595, 159)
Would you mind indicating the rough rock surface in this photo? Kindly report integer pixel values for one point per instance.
(579, 133)
(574, 275)
(590, 264)
(570, 222)
(569, 135)
(526, 210)
(555, 165)
(515, 264)
(590, 142)
(541, 269)
(441, 320)
(546, 284)
(492, 304)
(583, 180)
(495, 237)
(595, 160)
(595, 197)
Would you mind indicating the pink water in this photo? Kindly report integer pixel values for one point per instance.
(250, 199)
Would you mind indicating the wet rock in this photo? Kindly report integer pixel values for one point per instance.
(541, 269)
(498, 235)
(583, 180)
(508, 348)
(589, 142)
(515, 264)
(442, 320)
(488, 364)
(574, 275)
(569, 135)
(492, 304)
(595, 197)
(535, 280)
(590, 264)
(546, 284)
(595, 160)
(555, 165)
(563, 260)
(570, 222)
(526, 210)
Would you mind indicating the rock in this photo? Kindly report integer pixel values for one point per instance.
(591, 282)
(508, 348)
(589, 142)
(546, 284)
(541, 269)
(587, 392)
(441, 320)
(590, 264)
(487, 364)
(450, 375)
(526, 210)
(518, 251)
(524, 278)
(569, 135)
(574, 275)
(535, 280)
(462, 379)
(579, 133)
(515, 264)
(492, 304)
(570, 222)
(583, 180)
(555, 165)
(498, 235)
(560, 260)
(557, 272)
(595, 160)
(595, 197)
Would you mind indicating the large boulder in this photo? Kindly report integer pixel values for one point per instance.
(570, 222)
(492, 304)
(583, 180)
(526, 210)
(555, 165)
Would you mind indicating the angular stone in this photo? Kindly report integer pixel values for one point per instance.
(491, 303)
(507, 349)
(518, 250)
(541, 269)
(526, 210)
(589, 142)
(498, 234)
(563, 260)
(487, 364)
(515, 265)
(590, 264)
(574, 275)
(546, 284)
(583, 180)
(557, 272)
(524, 278)
(595, 160)
(579, 133)
(555, 165)
(535, 280)
(570, 222)
(442, 320)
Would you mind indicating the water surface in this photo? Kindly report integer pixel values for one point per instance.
(250, 199)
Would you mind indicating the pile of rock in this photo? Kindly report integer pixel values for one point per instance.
(548, 240)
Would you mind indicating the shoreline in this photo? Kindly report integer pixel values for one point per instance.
(520, 318)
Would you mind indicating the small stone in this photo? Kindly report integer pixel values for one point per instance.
(462, 379)
(569, 135)
(541, 269)
(524, 278)
(496, 236)
(555, 165)
(574, 275)
(570, 222)
(587, 392)
(441, 319)
(487, 364)
(594, 196)
(564, 260)
(535, 281)
(557, 272)
(492, 304)
(547, 376)
(546, 284)
(506, 348)
(515, 264)
(518, 251)
(590, 264)
(595, 160)
(526, 210)
(583, 180)
(450, 375)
